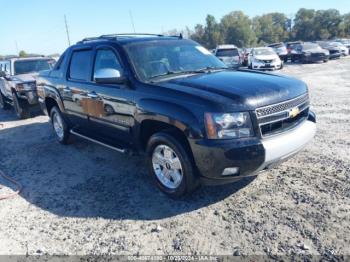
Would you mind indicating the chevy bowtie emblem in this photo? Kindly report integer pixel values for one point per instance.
(294, 112)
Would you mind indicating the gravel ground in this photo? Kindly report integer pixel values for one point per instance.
(85, 199)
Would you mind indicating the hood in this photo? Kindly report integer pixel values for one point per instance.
(24, 78)
(266, 57)
(249, 89)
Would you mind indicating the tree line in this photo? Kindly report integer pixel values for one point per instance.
(239, 29)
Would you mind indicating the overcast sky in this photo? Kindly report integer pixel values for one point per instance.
(37, 26)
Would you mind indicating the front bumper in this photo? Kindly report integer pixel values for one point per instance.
(266, 66)
(250, 156)
(29, 95)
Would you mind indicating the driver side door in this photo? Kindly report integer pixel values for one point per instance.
(112, 108)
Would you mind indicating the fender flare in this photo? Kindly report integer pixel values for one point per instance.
(51, 92)
(172, 114)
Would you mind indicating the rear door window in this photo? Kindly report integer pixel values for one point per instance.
(81, 65)
(227, 52)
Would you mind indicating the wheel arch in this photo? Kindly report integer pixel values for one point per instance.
(172, 117)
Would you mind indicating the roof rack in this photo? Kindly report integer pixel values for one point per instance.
(115, 37)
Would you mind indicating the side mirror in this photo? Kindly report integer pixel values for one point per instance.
(109, 76)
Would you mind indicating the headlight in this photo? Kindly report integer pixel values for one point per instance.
(257, 60)
(228, 125)
(26, 86)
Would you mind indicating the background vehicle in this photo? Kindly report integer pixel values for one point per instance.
(344, 50)
(174, 100)
(345, 42)
(309, 52)
(229, 54)
(281, 50)
(264, 58)
(334, 51)
(291, 47)
(18, 84)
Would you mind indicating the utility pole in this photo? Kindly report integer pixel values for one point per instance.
(67, 31)
(132, 21)
(16, 47)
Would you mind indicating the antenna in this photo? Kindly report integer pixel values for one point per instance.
(132, 21)
(67, 31)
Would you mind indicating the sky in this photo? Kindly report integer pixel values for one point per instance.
(37, 26)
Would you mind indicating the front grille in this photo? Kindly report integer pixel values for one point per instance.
(277, 118)
(267, 61)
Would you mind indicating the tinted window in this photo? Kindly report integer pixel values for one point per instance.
(107, 59)
(227, 52)
(80, 65)
(31, 66)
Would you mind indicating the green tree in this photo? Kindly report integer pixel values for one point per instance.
(212, 32)
(22, 53)
(236, 28)
(304, 24)
(199, 34)
(270, 28)
(345, 26)
(326, 24)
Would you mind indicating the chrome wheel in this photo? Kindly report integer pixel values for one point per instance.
(58, 126)
(167, 166)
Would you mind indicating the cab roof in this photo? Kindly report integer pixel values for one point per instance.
(128, 38)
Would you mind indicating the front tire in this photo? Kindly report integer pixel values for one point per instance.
(3, 104)
(170, 165)
(59, 125)
(21, 107)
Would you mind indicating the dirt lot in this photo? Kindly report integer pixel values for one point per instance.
(85, 199)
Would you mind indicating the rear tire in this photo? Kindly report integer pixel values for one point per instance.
(3, 104)
(59, 125)
(20, 106)
(167, 159)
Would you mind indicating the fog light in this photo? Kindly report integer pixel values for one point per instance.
(230, 171)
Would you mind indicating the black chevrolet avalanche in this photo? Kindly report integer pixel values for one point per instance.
(196, 120)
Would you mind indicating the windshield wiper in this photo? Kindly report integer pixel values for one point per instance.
(165, 74)
(196, 71)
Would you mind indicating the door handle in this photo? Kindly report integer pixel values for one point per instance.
(92, 95)
(67, 90)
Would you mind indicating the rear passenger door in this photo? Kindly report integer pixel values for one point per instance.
(76, 90)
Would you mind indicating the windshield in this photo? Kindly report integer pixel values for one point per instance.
(227, 52)
(311, 46)
(265, 51)
(31, 66)
(164, 57)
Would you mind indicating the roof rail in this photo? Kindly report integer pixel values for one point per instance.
(116, 36)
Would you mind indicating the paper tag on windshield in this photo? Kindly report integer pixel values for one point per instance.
(203, 50)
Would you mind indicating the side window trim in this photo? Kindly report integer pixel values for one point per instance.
(105, 47)
(70, 56)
